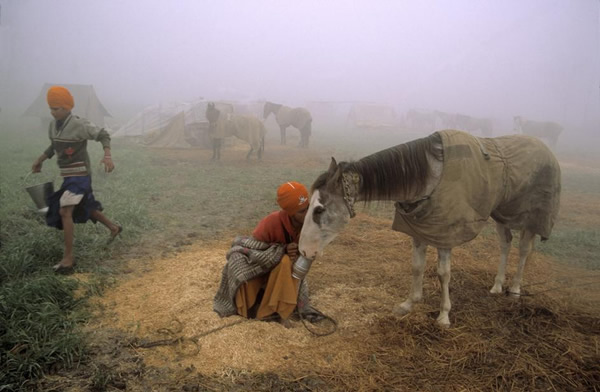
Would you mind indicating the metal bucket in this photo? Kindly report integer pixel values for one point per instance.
(301, 267)
(39, 193)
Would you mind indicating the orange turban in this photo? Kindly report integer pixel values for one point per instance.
(60, 97)
(292, 197)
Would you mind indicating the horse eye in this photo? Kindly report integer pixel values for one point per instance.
(317, 214)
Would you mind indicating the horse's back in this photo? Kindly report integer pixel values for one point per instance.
(513, 179)
(532, 184)
(541, 128)
(295, 117)
(249, 128)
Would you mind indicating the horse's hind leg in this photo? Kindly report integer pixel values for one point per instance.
(444, 274)
(418, 268)
(505, 239)
(525, 249)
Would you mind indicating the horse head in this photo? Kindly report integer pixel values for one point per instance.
(212, 113)
(268, 109)
(331, 207)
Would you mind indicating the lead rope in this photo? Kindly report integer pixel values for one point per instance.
(558, 280)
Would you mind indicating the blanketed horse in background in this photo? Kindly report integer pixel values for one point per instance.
(247, 128)
(299, 118)
(446, 186)
(547, 130)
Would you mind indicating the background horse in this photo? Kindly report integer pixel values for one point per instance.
(547, 130)
(247, 128)
(446, 186)
(285, 116)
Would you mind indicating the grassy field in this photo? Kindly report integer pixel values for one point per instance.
(167, 199)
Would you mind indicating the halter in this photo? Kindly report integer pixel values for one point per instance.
(350, 182)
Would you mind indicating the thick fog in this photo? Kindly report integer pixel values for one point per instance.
(537, 58)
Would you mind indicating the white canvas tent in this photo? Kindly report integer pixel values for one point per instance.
(171, 125)
(87, 103)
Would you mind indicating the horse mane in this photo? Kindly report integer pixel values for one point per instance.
(399, 170)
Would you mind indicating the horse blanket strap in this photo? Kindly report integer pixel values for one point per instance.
(513, 179)
(350, 184)
(486, 155)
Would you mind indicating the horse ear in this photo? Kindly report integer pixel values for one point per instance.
(332, 166)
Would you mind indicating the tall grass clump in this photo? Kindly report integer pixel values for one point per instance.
(38, 320)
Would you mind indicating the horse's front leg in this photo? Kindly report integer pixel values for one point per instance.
(282, 130)
(214, 148)
(505, 239)
(249, 153)
(443, 271)
(418, 268)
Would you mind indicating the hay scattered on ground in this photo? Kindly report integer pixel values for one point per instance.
(546, 341)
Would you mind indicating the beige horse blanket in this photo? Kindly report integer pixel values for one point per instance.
(514, 179)
(245, 127)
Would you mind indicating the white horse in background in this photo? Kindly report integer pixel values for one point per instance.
(547, 130)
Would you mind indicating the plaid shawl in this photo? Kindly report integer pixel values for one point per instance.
(247, 259)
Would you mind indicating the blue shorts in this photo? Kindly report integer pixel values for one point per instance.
(79, 185)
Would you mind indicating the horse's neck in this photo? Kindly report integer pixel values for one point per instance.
(433, 179)
(435, 174)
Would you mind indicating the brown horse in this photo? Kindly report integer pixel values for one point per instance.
(247, 128)
(285, 116)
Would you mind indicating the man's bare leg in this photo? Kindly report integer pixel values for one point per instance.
(66, 215)
(100, 217)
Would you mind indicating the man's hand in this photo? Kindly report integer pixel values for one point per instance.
(108, 163)
(37, 164)
(292, 251)
(36, 167)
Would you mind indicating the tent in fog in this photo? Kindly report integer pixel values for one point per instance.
(371, 115)
(174, 125)
(87, 103)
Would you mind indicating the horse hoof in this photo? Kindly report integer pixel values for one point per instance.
(401, 309)
(443, 321)
(496, 290)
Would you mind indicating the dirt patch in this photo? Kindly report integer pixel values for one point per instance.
(494, 341)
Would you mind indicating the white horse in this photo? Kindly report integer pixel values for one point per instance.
(547, 130)
(446, 186)
(285, 117)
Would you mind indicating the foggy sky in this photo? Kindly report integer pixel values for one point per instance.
(537, 58)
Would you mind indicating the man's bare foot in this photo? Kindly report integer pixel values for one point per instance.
(65, 266)
(286, 323)
(114, 232)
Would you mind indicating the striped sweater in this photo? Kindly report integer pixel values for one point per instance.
(68, 139)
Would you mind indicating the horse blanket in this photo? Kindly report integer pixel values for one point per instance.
(248, 128)
(514, 179)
